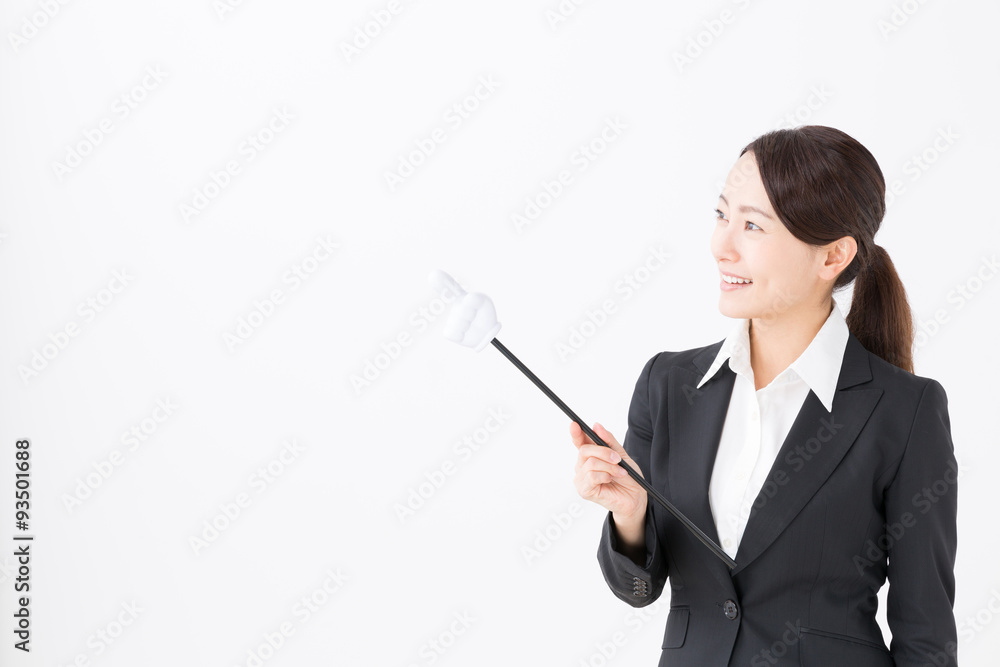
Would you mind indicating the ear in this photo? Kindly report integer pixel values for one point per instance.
(837, 256)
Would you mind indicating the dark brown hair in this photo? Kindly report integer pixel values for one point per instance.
(825, 185)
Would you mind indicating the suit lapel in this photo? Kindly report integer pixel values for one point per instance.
(815, 445)
(695, 421)
(696, 418)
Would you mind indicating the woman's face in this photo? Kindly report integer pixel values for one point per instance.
(750, 242)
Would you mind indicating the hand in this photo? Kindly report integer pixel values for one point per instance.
(472, 322)
(600, 479)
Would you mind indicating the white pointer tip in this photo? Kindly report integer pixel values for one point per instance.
(472, 321)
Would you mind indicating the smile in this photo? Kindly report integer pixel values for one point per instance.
(730, 283)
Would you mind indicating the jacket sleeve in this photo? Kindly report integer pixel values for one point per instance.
(921, 513)
(638, 585)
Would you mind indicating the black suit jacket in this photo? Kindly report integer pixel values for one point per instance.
(866, 491)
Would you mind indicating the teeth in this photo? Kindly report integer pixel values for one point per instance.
(736, 281)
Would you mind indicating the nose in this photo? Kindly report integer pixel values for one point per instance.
(723, 243)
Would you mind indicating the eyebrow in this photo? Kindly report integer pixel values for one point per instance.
(749, 209)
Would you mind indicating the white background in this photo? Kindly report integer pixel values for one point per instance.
(894, 76)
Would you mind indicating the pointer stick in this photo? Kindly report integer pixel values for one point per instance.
(653, 493)
(473, 323)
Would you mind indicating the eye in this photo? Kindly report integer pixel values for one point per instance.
(722, 216)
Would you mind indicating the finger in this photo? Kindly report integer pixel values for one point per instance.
(599, 452)
(586, 488)
(578, 436)
(594, 463)
(444, 283)
(483, 325)
(459, 320)
(598, 477)
(605, 435)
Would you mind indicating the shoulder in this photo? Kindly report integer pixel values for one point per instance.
(695, 359)
(903, 387)
(911, 415)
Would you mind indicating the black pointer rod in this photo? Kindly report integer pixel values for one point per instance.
(650, 491)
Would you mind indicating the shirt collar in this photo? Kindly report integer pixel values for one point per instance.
(818, 365)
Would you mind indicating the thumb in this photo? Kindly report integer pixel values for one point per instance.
(444, 283)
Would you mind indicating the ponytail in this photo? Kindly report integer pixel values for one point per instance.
(880, 316)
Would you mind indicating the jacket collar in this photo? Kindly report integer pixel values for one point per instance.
(818, 365)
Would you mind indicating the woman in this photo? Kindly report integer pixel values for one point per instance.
(802, 443)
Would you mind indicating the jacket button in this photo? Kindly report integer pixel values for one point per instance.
(729, 608)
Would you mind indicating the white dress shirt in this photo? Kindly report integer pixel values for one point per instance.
(758, 421)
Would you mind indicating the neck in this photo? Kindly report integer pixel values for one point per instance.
(775, 344)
